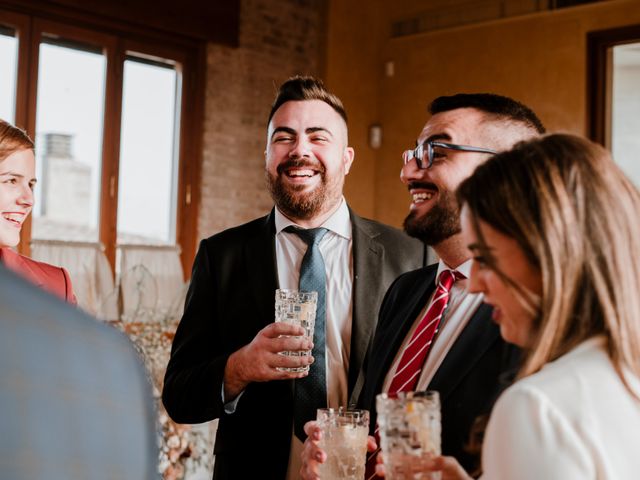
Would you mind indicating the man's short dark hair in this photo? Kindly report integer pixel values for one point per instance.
(306, 88)
(490, 103)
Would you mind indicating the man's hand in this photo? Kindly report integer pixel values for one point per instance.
(259, 361)
(312, 454)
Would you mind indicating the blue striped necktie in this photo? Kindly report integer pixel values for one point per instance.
(311, 391)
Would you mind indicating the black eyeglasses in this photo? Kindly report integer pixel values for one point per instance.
(430, 145)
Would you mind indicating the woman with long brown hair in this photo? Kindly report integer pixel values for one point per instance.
(17, 181)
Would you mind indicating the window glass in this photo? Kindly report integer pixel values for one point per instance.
(148, 152)
(8, 67)
(69, 142)
(625, 109)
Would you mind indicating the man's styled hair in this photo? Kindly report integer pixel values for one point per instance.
(306, 88)
(494, 105)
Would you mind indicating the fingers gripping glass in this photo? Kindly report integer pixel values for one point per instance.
(425, 152)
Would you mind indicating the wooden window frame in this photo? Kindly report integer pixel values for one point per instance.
(22, 24)
(599, 63)
(190, 55)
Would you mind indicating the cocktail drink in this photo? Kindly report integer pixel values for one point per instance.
(344, 439)
(409, 428)
(298, 308)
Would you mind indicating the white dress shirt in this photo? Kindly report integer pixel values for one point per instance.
(335, 247)
(461, 307)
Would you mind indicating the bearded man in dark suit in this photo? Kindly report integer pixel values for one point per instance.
(225, 360)
(465, 360)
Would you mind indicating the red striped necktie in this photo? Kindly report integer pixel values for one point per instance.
(415, 353)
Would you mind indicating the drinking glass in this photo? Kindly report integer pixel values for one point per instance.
(298, 308)
(409, 427)
(344, 439)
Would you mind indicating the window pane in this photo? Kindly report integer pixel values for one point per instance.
(625, 109)
(69, 143)
(148, 151)
(8, 67)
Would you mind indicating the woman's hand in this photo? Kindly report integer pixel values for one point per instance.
(449, 468)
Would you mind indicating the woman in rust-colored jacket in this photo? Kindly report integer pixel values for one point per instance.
(17, 180)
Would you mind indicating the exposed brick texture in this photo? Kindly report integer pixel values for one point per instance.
(278, 38)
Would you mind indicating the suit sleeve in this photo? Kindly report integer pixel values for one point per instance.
(193, 380)
(529, 438)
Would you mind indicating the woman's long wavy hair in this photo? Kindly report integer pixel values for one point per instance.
(576, 216)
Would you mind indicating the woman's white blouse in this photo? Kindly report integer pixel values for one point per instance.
(574, 419)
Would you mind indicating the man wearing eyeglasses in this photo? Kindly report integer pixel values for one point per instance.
(431, 333)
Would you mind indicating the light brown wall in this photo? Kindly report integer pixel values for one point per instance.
(277, 39)
(539, 59)
(352, 71)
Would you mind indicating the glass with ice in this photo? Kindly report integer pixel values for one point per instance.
(344, 440)
(298, 308)
(409, 427)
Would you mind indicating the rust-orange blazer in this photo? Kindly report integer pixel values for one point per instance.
(53, 279)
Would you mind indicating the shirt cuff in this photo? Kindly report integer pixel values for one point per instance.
(231, 406)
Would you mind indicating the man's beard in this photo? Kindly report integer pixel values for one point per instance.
(293, 202)
(438, 224)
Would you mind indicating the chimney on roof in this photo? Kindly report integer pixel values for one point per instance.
(57, 145)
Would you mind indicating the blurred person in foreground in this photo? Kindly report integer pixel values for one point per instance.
(463, 358)
(75, 400)
(553, 227)
(17, 181)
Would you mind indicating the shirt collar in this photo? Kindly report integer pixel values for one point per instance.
(339, 222)
(464, 268)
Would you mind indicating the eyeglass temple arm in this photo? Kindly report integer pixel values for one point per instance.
(465, 148)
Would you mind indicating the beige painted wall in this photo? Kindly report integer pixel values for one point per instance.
(539, 59)
(351, 71)
(242, 82)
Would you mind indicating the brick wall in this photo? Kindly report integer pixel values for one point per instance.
(278, 38)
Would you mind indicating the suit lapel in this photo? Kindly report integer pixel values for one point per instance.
(404, 316)
(476, 338)
(368, 255)
(261, 272)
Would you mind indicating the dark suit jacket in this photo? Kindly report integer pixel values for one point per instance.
(230, 299)
(470, 378)
(53, 279)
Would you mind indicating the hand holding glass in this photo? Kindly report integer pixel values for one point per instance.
(297, 308)
(409, 425)
(344, 440)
